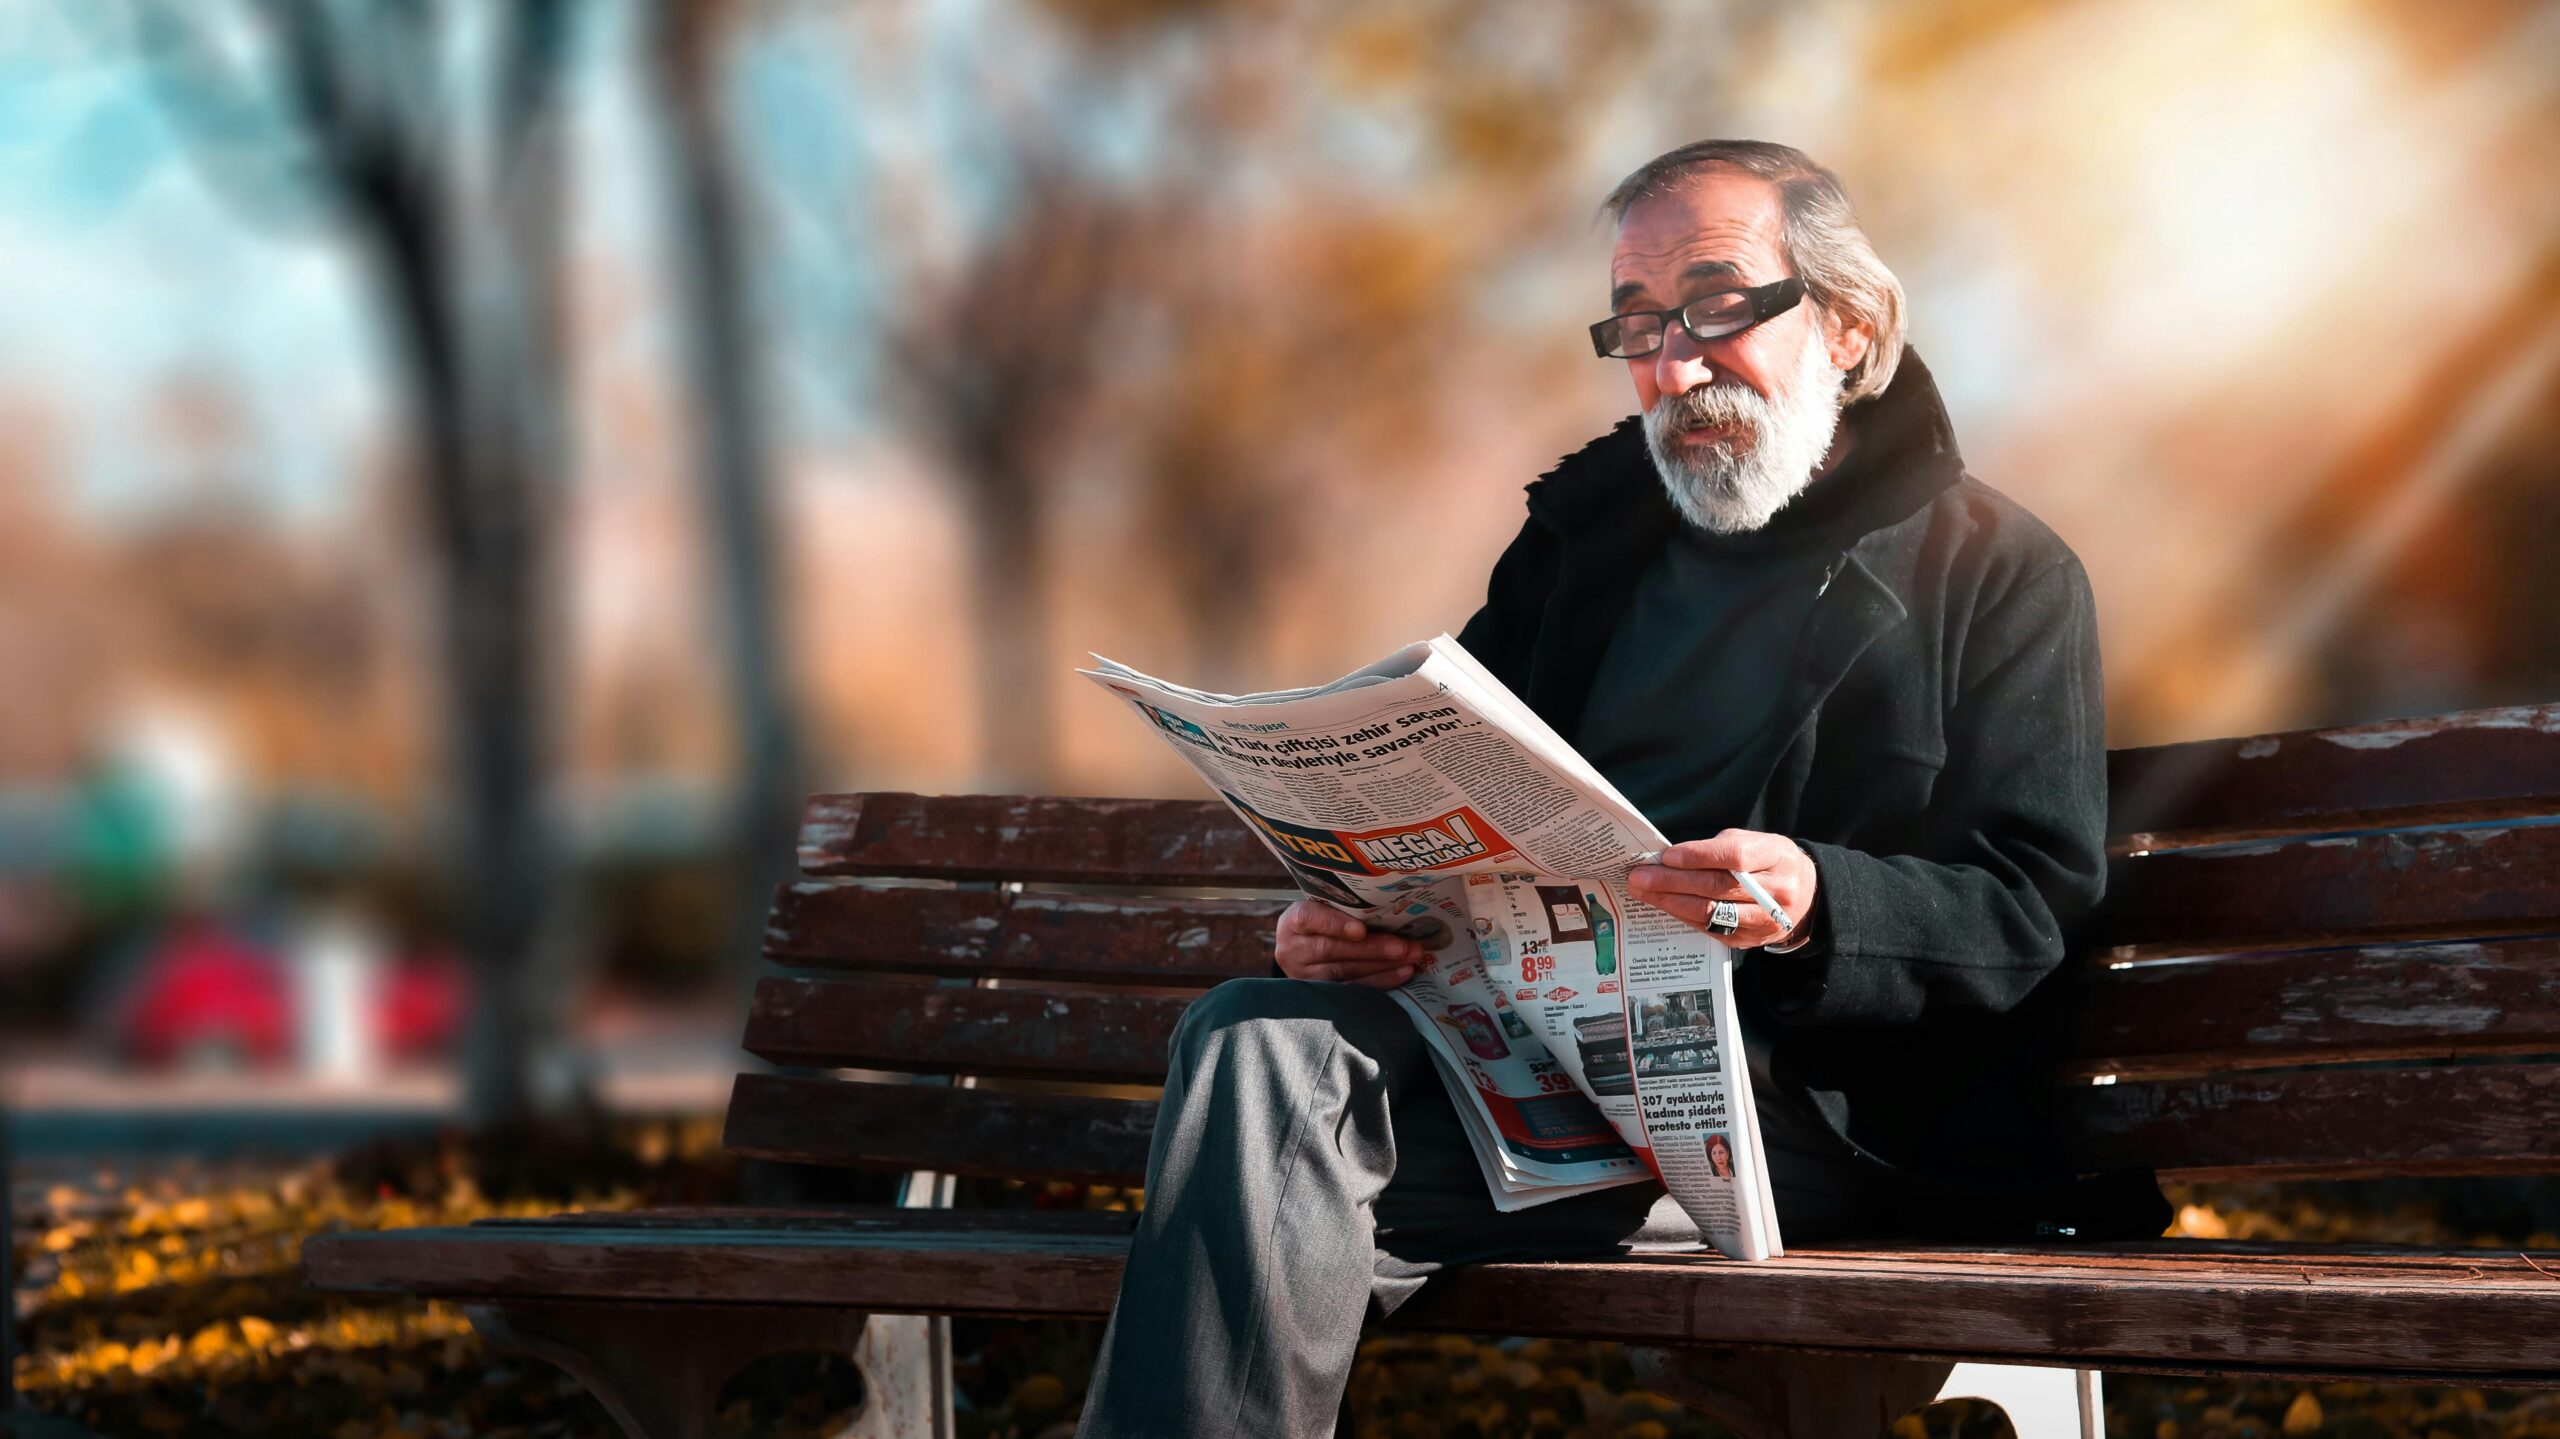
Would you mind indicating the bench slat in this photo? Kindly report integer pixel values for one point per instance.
(974, 932)
(2264, 1010)
(804, 1120)
(2237, 1012)
(2487, 1316)
(2473, 765)
(2327, 1124)
(934, 1029)
(2443, 769)
(1034, 837)
(2453, 884)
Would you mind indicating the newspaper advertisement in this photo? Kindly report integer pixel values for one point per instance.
(1587, 1039)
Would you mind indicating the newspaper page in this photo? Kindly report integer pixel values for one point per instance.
(1587, 1039)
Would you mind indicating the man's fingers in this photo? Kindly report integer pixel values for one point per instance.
(1354, 967)
(1722, 852)
(1315, 917)
(1731, 849)
(1757, 928)
(1649, 882)
(1377, 948)
(1316, 956)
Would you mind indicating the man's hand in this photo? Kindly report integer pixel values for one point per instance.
(1318, 941)
(1693, 876)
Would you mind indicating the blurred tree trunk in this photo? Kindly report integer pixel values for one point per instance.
(452, 191)
(8, 1265)
(498, 547)
(1017, 738)
(1002, 358)
(734, 469)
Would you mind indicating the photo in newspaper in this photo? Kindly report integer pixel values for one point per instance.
(1586, 1039)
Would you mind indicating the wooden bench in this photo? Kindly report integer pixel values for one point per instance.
(2357, 905)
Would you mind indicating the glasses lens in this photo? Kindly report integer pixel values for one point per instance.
(1712, 315)
(1629, 336)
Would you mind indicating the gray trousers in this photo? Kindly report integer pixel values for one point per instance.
(1306, 1163)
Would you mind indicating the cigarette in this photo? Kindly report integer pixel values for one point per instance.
(1750, 886)
(1761, 897)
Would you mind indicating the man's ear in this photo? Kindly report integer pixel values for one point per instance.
(1847, 340)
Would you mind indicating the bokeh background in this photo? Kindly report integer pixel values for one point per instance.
(467, 469)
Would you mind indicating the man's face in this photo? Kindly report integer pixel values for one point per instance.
(1737, 425)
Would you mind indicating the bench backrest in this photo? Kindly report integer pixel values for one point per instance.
(2284, 911)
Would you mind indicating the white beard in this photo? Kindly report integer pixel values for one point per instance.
(1734, 484)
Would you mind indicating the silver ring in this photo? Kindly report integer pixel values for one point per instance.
(1725, 918)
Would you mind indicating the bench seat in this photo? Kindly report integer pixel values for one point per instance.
(2488, 1317)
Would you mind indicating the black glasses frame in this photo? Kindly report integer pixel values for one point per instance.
(1766, 302)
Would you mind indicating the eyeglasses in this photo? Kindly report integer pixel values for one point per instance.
(1638, 333)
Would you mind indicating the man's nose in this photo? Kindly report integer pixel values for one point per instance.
(1681, 364)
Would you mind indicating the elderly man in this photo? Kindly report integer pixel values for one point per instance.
(1778, 614)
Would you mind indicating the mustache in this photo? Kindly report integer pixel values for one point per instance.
(1710, 405)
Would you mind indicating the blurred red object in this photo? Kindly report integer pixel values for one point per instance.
(419, 1011)
(209, 995)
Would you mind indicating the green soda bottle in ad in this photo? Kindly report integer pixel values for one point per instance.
(1604, 935)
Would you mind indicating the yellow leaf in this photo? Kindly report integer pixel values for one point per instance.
(2197, 1222)
(1910, 1427)
(1040, 1392)
(255, 1332)
(2303, 1415)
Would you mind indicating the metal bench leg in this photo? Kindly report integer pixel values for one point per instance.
(658, 1368)
(1789, 1394)
(906, 1378)
(2041, 1403)
(906, 1359)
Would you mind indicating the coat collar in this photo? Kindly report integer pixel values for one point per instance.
(1607, 505)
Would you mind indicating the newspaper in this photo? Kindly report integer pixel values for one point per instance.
(1587, 1039)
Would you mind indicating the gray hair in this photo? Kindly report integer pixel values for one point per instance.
(1818, 232)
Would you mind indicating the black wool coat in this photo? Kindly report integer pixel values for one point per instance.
(1945, 767)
